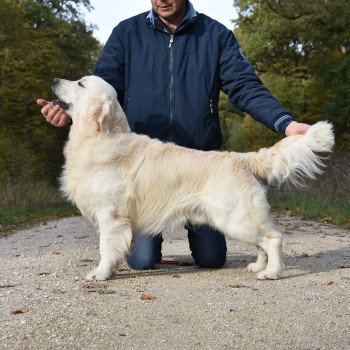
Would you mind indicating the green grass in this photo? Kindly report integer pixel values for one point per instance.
(13, 219)
(313, 206)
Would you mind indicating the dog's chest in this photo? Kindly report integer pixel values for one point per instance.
(91, 188)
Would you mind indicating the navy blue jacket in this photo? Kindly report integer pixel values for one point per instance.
(169, 83)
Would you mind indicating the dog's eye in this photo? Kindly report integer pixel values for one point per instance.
(81, 84)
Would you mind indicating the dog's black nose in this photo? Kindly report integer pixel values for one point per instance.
(56, 81)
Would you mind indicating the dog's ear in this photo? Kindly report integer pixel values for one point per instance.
(101, 116)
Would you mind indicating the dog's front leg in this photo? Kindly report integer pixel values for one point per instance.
(115, 241)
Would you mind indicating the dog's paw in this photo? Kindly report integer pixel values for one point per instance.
(97, 275)
(255, 267)
(268, 274)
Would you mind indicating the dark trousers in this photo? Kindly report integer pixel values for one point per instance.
(208, 249)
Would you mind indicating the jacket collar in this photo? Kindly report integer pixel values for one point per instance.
(156, 22)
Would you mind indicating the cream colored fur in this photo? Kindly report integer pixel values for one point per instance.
(128, 183)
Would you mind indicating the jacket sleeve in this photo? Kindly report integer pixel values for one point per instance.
(111, 65)
(245, 90)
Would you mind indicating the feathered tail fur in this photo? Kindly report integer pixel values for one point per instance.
(293, 158)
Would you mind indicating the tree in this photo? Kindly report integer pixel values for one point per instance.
(39, 40)
(301, 49)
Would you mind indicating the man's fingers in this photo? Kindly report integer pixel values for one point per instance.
(57, 118)
(41, 102)
(63, 120)
(52, 112)
(45, 110)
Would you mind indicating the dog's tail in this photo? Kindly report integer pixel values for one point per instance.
(294, 157)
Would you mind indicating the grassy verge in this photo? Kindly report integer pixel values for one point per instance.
(13, 219)
(312, 206)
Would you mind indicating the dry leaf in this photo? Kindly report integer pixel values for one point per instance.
(328, 283)
(20, 311)
(175, 262)
(145, 296)
(238, 286)
(303, 255)
(7, 286)
(106, 291)
(94, 287)
(98, 288)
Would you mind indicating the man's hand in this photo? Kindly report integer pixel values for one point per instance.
(55, 115)
(295, 128)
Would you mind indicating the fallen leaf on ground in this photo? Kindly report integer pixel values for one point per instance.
(88, 260)
(106, 291)
(93, 287)
(7, 285)
(238, 286)
(303, 255)
(20, 311)
(175, 262)
(145, 296)
(328, 283)
(91, 313)
(55, 253)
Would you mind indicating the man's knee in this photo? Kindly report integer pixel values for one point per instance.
(142, 263)
(214, 260)
(208, 247)
(146, 252)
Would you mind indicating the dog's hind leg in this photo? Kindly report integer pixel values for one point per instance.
(260, 263)
(270, 241)
(115, 241)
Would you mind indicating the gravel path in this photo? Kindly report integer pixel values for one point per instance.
(46, 304)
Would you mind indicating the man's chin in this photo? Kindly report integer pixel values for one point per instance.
(165, 13)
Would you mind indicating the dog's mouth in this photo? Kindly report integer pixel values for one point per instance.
(61, 103)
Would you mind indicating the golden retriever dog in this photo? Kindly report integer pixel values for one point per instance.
(127, 183)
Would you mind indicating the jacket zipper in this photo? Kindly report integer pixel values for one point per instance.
(171, 86)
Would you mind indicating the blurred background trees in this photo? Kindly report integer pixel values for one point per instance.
(39, 40)
(300, 49)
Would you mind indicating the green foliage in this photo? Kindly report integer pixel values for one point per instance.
(13, 219)
(312, 206)
(301, 49)
(39, 40)
(240, 132)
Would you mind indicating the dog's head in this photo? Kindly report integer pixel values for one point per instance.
(92, 103)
